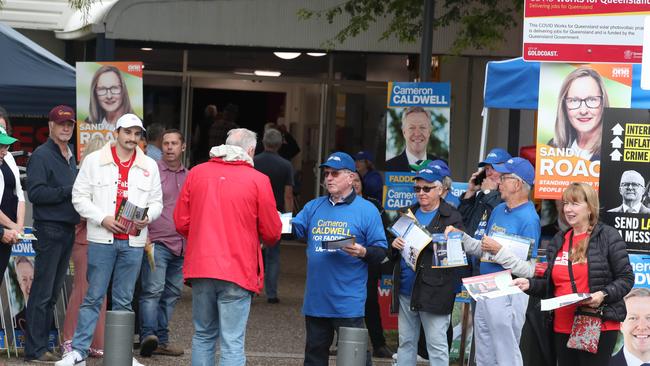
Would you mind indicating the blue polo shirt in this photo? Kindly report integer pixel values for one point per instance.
(521, 220)
(336, 281)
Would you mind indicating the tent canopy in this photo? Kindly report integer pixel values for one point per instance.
(511, 84)
(32, 80)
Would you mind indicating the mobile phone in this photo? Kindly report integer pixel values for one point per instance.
(480, 177)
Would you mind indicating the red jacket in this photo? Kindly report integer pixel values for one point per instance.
(224, 209)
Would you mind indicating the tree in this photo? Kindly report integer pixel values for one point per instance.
(482, 22)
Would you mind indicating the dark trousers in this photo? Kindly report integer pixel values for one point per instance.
(5, 254)
(320, 333)
(373, 315)
(53, 249)
(571, 357)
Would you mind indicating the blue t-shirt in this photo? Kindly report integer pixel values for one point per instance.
(336, 281)
(522, 220)
(407, 275)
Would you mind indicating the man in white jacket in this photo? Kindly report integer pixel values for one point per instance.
(118, 174)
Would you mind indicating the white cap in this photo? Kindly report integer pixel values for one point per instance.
(129, 120)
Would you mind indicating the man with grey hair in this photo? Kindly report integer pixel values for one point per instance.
(224, 209)
(632, 188)
(416, 128)
(635, 329)
(280, 172)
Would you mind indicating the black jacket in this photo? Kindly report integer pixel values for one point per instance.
(434, 289)
(476, 208)
(49, 184)
(608, 268)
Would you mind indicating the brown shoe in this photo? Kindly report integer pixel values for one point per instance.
(47, 357)
(168, 350)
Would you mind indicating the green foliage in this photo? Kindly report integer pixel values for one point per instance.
(482, 22)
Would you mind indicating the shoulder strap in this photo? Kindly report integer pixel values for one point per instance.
(573, 281)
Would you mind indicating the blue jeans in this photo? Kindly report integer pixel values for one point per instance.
(320, 333)
(435, 330)
(123, 262)
(53, 249)
(219, 311)
(271, 270)
(160, 291)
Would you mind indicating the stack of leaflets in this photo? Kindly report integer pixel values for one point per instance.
(127, 213)
(448, 252)
(286, 218)
(338, 243)
(520, 246)
(415, 236)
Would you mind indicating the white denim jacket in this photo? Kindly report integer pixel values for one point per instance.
(95, 191)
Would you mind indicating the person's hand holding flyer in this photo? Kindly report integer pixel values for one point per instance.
(414, 238)
(490, 286)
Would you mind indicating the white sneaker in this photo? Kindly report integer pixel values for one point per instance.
(72, 358)
(136, 362)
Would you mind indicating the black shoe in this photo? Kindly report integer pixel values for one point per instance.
(273, 300)
(382, 352)
(46, 357)
(148, 345)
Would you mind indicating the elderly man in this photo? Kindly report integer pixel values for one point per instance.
(51, 172)
(416, 128)
(636, 330)
(335, 292)
(224, 209)
(631, 189)
(498, 322)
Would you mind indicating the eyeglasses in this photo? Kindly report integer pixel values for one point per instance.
(504, 177)
(333, 173)
(114, 90)
(426, 189)
(631, 185)
(590, 102)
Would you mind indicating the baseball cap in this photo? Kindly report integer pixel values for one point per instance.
(441, 167)
(495, 156)
(129, 120)
(340, 160)
(5, 139)
(429, 175)
(518, 166)
(62, 113)
(363, 155)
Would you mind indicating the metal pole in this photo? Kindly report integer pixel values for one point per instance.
(118, 338)
(427, 41)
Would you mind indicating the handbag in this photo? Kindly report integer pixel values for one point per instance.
(587, 322)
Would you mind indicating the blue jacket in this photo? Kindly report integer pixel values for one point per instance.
(49, 184)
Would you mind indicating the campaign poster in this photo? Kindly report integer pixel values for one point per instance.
(624, 188)
(398, 190)
(105, 92)
(584, 31)
(572, 100)
(641, 267)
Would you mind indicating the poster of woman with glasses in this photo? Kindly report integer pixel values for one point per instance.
(105, 92)
(572, 99)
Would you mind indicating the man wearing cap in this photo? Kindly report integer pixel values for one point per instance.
(498, 322)
(335, 292)
(373, 183)
(51, 172)
(632, 188)
(425, 296)
(416, 129)
(117, 174)
(225, 209)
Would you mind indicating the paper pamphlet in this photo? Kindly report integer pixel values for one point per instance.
(338, 244)
(448, 252)
(286, 222)
(490, 286)
(415, 237)
(564, 300)
(26, 236)
(520, 246)
(127, 213)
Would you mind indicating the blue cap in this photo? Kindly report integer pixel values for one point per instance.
(340, 160)
(363, 155)
(495, 156)
(429, 175)
(441, 167)
(518, 166)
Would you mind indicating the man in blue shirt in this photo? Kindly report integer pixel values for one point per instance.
(335, 292)
(498, 322)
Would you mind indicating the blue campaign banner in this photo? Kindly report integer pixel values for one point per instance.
(23, 248)
(398, 192)
(641, 267)
(458, 188)
(427, 94)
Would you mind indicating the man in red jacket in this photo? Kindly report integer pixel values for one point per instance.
(224, 209)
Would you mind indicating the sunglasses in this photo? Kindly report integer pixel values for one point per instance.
(333, 173)
(426, 189)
